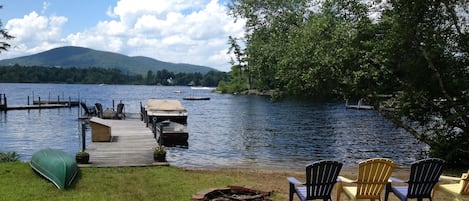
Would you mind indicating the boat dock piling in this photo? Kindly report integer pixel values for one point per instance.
(3, 102)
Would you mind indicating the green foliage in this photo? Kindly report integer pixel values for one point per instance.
(9, 157)
(37, 74)
(416, 50)
(159, 150)
(237, 82)
(4, 35)
(82, 154)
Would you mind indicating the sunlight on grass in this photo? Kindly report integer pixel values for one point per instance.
(19, 182)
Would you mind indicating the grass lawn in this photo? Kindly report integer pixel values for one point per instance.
(19, 182)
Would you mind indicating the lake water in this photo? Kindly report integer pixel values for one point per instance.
(226, 131)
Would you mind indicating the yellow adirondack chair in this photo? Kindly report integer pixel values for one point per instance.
(458, 190)
(373, 175)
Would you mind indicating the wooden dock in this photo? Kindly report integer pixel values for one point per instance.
(131, 145)
(359, 106)
(37, 104)
(34, 107)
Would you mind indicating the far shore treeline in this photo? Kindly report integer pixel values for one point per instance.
(94, 75)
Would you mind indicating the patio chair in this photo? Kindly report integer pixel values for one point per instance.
(424, 175)
(373, 175)
(320, 179)
(459, 190)
(89, 110)
(99, 110)
(120, 111)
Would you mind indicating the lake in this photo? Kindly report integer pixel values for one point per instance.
(226, 131)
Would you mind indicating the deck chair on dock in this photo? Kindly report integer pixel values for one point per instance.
(99, 110)
(459, 190)
(373, 175)
(89, 110)
(424, 175)
(120, 111)
(320, 179)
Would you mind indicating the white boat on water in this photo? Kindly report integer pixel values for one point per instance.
(203, 88)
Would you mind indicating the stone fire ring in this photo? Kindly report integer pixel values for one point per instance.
(203, 195)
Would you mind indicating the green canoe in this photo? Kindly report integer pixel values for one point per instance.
(56, 166)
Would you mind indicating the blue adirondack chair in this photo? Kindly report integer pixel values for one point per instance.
(424, 175)
(320, 179)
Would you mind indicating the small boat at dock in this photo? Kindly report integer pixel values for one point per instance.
(169, 121)
(56, 166)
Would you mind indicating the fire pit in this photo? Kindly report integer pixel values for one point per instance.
(233, 193)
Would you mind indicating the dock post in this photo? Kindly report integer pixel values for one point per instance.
(83, 136)
(3, 106)
(153, 127)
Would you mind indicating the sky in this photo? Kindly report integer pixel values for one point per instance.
(178, 31)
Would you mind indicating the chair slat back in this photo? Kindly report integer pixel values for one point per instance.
(320, 179)
(120, 108)
(465, 184)
(373, 175)
(424, 174)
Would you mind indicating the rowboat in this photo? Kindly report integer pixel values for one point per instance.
(56, 166)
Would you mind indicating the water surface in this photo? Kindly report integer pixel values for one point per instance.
(226, 131)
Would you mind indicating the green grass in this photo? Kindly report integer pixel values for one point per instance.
(19, 182)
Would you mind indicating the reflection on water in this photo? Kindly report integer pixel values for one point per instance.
(226, 131)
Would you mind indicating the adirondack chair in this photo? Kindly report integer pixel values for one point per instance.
(320, 179)
(89, 110)
(373, 175)
(424, 175)
(120, 111)
(99, 110)
(460, 190)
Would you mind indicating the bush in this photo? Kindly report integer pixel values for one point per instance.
(9, 157)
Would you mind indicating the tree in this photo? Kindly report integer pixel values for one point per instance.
(417, 50)
(429, 58)
(4, 36)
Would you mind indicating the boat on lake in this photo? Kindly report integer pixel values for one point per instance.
(56, 166)
(168, 119)
(196, 98)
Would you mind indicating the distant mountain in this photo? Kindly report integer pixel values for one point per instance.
(71, 56)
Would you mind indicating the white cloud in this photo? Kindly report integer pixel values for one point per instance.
(179, 31)
(34, 33)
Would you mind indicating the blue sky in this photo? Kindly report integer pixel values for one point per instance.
(179, 31)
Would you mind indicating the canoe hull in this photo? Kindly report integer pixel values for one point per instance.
(56, 166)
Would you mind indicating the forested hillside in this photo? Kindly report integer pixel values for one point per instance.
(93, 75)
(79, 57)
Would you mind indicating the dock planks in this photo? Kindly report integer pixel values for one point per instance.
(132, 145)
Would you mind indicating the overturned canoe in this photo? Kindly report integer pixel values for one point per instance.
(56, 166)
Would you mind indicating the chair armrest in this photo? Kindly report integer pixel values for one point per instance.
(345, 179)
(294, 181)
(443, 177)
(394, 179)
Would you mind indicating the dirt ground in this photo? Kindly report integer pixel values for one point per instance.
(276, 180)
